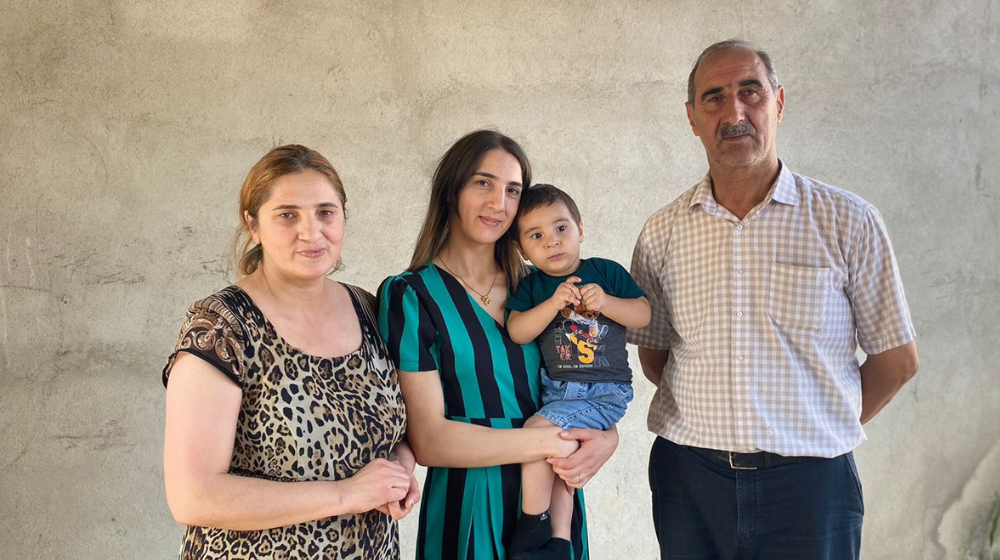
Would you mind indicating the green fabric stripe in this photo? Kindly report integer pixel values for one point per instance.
(495, 497)
(409, 343)
(434, 504)
(461, 343)
(484, 535)
(473, 484)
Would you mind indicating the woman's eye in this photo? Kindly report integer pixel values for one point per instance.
(286, 215)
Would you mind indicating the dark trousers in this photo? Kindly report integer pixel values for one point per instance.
(703, 509)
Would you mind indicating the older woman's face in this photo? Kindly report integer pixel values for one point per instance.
(488, 202)
(301, 226)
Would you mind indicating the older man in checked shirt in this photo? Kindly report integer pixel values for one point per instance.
(763, 283)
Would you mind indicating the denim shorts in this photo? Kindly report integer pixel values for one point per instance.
(577, 404)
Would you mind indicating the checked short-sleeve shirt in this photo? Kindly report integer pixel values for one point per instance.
(763, 316)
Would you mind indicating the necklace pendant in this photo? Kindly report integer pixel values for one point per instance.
(486, 300)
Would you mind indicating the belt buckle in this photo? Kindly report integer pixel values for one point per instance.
(738, 468)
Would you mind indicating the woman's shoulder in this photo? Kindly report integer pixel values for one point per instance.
(407, 280)
(228, 304)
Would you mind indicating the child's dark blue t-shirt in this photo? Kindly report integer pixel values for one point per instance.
(580, 345)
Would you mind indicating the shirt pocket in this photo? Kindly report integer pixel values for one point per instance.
(798, 296)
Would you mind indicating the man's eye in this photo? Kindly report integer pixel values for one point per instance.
(514, 191)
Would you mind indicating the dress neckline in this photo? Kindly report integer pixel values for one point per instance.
(479, 308)
(295, 350)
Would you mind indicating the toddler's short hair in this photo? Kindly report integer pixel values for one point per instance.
(543, 194)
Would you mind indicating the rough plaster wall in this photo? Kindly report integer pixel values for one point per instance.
(126, 128)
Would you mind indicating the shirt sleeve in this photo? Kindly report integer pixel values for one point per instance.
(622, 284)
(212, 333)
(406, 326)
(521, 300)
(881, 313)
(646, 269)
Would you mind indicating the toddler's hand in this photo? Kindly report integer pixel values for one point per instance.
(593, 297)
(566, 294)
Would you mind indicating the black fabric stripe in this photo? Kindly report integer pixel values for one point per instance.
(576, 525)
(510, 483)
(452, 513)
(454, 403)
(488, 388)
(394, 321)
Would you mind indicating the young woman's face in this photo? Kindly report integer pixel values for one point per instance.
(301, 226)
(488, 201)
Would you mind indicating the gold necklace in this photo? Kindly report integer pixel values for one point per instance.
(485, 298)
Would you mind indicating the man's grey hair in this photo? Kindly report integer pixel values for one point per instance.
(733, 44)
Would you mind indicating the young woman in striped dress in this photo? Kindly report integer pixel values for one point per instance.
(465, 383)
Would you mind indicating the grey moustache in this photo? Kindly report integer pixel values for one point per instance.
(738, 129)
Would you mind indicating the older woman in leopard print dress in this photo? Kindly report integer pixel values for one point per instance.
(284, 421)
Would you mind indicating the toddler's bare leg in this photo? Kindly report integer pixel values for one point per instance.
(536, 477)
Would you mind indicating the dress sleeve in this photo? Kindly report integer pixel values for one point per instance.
(212, 333)
(876, 290)
(406, 326)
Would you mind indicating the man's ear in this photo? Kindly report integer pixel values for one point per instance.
(580, 225)
(781, 102)
(690, 111)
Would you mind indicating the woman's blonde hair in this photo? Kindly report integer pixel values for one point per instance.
(281, 161)
(453, 172)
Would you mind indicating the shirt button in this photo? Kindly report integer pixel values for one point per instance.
(739, 271)
(739, 314)
(739, 228)
(739, 358)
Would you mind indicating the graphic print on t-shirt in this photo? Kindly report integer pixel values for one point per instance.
(578, 338)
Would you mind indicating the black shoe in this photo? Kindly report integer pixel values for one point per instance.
(531, 533)
(556, 549)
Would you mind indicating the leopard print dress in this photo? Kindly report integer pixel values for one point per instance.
(302, 418)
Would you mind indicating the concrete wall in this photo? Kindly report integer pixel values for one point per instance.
(126, 128)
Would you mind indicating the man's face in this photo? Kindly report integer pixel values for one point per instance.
(735, 113)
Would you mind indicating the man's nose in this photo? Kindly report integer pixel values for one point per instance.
(735, 111)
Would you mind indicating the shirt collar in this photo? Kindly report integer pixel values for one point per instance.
(783, 190)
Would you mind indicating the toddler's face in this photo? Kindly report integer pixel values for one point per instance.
(550, 239)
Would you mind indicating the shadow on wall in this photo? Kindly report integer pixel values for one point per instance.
(968, 529)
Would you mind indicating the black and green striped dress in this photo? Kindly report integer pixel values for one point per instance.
(429, 322)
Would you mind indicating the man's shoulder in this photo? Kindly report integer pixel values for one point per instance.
(667, 214)
(818, 193)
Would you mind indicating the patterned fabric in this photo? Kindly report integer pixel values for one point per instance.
(302, 418)
(580, 344)
(762, 317)
(430, 323)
